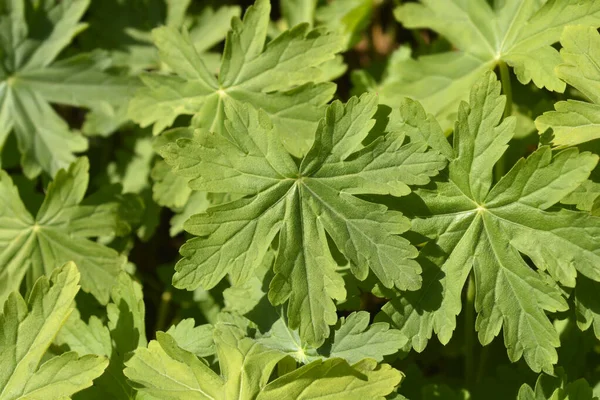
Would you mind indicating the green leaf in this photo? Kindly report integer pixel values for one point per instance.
(28, 329)
(575, 121)
(335, 378)
(556, 388)
(519, 33)
(31, 247)
(584, 196)
(348, 17)
(123, 27)
(195, 339)
(30, 79)
(352, 339)
(166, 371)
(302, 203)
(125, 333)
(276, 77)
(298, 11)
(483, 230)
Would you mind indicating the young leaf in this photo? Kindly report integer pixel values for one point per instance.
(485, 230)
(29, 80)
(352, 339)
(166, 371)
(519, 33)
(125, 333)
(302, 203)
(59, 233)
(275, 77)
(195, 339)
(27, 331)
(576, 121)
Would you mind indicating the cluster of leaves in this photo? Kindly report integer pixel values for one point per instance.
(253, 232)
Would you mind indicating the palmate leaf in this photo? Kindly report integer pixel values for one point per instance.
(516, 32)
(483, 231)
(31, 247)
(27, 330)
(30, 79)
(125, 333)
(166, 371)
(302, 203)
(576, 121)
(275, 77)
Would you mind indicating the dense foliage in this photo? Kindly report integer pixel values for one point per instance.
(303, 199)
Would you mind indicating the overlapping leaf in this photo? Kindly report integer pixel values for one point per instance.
(28, 329)
(483, 231)
(166, 371)
(555, 388)
(302, 203)
(123, 28)
(125, 333)
(31, 37)
(516, 32)
(31, 247)
(576, 121)
(276, 77)
(352, 339)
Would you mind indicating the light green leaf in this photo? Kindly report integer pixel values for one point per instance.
(123, 27)
(28, 329)
(124, 333)
(31, 79)
(483, 230)
(302, 204)
(167, 371)
(584, 196)
(556, 388)
(197, 340)
(31, 247)
(354, 339)
(335, 378)
(575, 121)
(348, 17)
(298, 11)
(519, 33)
(276, 77)
(211, 27)
(587, 304)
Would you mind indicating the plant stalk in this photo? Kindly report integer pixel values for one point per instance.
(163, 311)
(500, 168)
(470, 333)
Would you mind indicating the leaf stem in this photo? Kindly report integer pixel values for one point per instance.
(163, 311)
(506, 87)
(507, 90)
(483, 356)
(470, 333)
